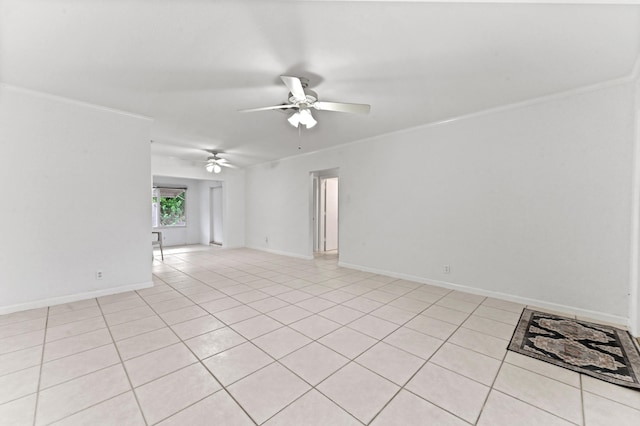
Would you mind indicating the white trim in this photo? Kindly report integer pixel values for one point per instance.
(58, 98)
(311, 241)
(282, 253)
(72, 298)
(571, 310)
(634, 253)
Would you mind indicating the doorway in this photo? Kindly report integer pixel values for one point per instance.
(329, 214)
(325, 212)
(215, 208)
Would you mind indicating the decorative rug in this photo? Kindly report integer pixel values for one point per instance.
(604, 352)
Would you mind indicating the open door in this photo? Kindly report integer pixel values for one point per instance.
(325, 211)
(215, 230)
(324, 208)
(330, 213)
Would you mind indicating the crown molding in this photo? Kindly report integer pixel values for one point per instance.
(44, 95)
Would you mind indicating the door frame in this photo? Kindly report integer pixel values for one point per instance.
(324, 192)
(314, 207)
(212, 218)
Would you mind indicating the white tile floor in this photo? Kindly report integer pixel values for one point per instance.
(235, 337)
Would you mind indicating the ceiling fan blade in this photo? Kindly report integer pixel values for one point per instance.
(295, 86)
(228, 165)
(190, 159)
(268, 108)
(342, 107)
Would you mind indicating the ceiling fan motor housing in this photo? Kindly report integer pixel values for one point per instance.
(302, 99)
(311, 97)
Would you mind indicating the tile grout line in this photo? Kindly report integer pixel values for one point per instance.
(47, 327)
(21, 321)
(256, 346)
(400, 389)
(199, 361)
(44, 341)
(493, 382)
(312, 387)
(534, 406)
(260, 312)
(18, 333)
(403, 387)
(502, 361)
(290, 267)
(84, 375)
(609, 398)
(113, 342)
(415, 314)
(22, 349)
(75, 353)
(492, 388)
(378, 340)
(350, 360)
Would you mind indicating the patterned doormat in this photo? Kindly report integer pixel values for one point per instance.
(604, 352)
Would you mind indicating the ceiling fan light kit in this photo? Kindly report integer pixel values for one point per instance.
(301, 100)
(303, 117)
(214, 163)
(213, 167)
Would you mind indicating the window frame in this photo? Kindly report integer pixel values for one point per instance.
(155, 194)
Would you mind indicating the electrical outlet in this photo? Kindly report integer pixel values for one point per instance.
(446, 269)
(99, 274)
(266, 240)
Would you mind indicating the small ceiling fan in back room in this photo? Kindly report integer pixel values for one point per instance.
(215, 163)
(302, 100)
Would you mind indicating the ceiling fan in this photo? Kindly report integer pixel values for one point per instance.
(302, 100)
(214, 163)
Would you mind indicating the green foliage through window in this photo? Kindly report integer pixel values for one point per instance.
(169, 207)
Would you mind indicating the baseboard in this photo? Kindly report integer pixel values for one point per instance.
(281, 253)
(571, 310)
(72, 298)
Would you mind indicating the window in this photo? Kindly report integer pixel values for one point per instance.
(169, 207)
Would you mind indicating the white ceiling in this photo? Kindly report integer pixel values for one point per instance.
(192, 64)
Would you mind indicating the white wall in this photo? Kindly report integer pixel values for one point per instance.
(233, 181)
(277, 203)
(531, 202)
(75, 186)
(182, 235)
